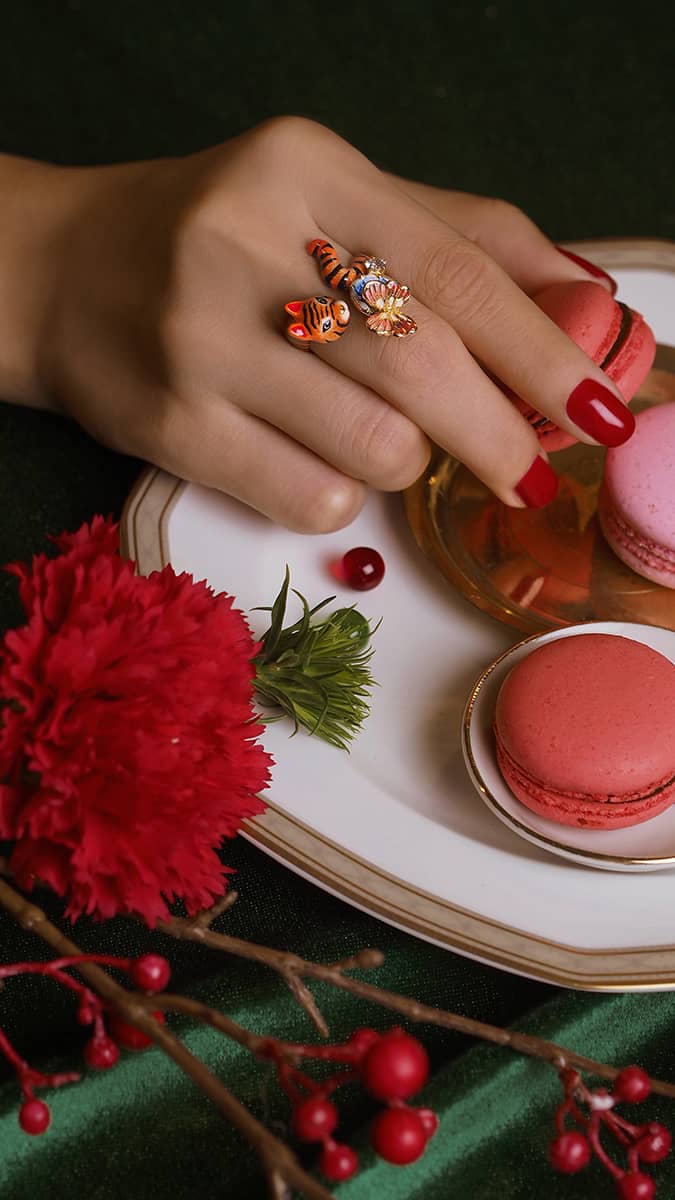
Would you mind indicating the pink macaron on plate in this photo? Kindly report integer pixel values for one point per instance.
(648, 846)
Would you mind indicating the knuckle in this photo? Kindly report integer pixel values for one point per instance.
(503, 214)
(393, 449)
(280, 136)
(422, 362)
(460, 281)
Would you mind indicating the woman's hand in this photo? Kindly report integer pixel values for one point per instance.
(146, 301)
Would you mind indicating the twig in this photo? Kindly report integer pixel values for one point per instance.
(277, 1159)
(288, 965)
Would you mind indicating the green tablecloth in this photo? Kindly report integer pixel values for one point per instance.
(565, 109)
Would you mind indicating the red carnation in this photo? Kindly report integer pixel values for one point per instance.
(127, 745)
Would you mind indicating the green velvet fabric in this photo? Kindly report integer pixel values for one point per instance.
(565, 109)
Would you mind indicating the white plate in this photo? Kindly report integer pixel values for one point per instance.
(649, 846)
(396, 827)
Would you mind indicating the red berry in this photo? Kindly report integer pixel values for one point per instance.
(361, 1041)
(429, 1121)
(569, 1153)
(338, 1161)
(632, 1085)
(128, 1035)
(362, 568)
(655, 1144)
(34, 1117)
(150, 973)
(101, 1053)
(636, 1186)
(314, 1119)
(398, 1136)
(395, 1067)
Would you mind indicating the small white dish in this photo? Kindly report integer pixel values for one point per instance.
(649, 846)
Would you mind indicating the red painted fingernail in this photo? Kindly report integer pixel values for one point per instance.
(596, 272)
(600, 413)
(539, 484)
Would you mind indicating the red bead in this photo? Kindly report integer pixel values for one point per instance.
(569, 1153)
(655, 1144)
(429, 1121)
(34, 1117)
(395, 1067)
(363, 568)
(361, 1041)
(636, 1186)
(101, 1053)
(632, 1085)
(398, 1136)
(337, 1161)
(150, 973)
(314, 1119)
(128, 1035)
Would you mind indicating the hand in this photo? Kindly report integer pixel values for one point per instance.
(146, 301)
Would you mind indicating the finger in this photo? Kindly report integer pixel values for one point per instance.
(433, 379)
(509, 236)
(345, 423)
(498, 323)
(213, 443)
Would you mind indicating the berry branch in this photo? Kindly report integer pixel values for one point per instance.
(278, 1161)
(287, 965)
(392, 1066)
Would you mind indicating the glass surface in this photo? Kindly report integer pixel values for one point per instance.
(538, 569)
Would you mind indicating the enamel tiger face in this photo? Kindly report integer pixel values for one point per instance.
(317, 319)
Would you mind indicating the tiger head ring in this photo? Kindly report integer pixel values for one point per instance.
(372, 292)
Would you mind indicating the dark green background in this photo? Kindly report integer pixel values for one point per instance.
(565, 109)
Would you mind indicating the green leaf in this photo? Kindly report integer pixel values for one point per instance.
(316, 671)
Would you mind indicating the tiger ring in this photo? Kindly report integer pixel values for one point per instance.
(370, 289)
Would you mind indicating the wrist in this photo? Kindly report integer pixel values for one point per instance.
(37, 204)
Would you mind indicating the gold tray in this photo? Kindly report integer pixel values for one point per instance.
(538, 569)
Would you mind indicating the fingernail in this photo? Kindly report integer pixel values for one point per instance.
(600, 413)
(539, 484)
(596, 272)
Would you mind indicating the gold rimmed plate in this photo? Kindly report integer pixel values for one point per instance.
(396, 827)
(538, 569)
(649, 846)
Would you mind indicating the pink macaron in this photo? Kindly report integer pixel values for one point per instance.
(613, 335)
(636, 506)
(585, 731)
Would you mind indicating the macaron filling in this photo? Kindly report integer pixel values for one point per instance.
(557, 804)
(622, 536)
(627, 320)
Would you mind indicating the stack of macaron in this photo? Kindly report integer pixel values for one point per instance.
(613, 335)
(585, 731)
(637, 500)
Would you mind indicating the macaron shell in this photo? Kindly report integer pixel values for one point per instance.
(639, 479)
(590, 716)
(582, 813)
(591, 317)
(647, 558)
(585, 312)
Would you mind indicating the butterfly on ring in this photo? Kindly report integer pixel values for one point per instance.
(317, 319)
